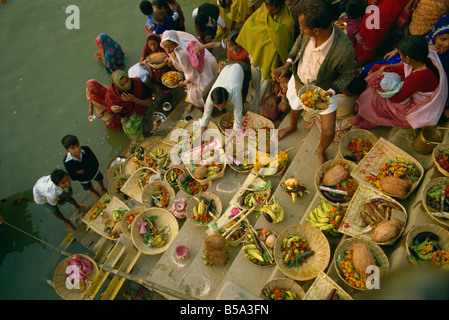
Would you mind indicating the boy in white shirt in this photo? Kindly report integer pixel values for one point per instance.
(49, 191)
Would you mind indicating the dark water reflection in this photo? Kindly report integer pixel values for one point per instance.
(42, 97)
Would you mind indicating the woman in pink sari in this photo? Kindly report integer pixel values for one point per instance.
(421, 95)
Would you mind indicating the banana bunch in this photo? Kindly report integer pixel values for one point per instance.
(172, 178)
(199, 210)
(288, 251)
(326, 217)
(161, 157)
(158, 241)
(294, 188)
(273, 212)
(251, 252)
(212, 171)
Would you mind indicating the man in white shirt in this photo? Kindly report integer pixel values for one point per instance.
(324, 56)
(49, 191)
(229, 87)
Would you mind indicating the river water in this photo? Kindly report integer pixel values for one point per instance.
(42, 98)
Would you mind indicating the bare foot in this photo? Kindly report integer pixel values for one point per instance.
(321, 158)
(285, 132)
(189, 108)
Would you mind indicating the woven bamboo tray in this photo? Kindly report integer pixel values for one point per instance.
(98, 207)
(152, 150)
(174, 184)
(324, 167)
(151, 187)
(435, 152)
(283, 283)
(126, 227)
(255, 261)
(347, 244)
(322, 287)
(164, 218)
(442, 234)
(352, 223)
(252, 180)
(255, 121)
(343, 146)
(174, 136)
(59, 279)
(441, 221)
(316, 263)
(224, 118)
(194, 202)
(115, 170)
(183, 190)
(303, 90)
(382, 152)
(133, 187)
(115, 186)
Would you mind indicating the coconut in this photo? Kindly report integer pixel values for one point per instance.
(214, 242)
(200, 172)
(216, 257)
(395, 186)
(362, 258)
(335, 175)
(385, 231)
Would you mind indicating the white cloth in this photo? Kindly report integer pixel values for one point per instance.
(390, 84)
(181, 61)
(142, 72)
(45, 191)
(313, 58)
(230, 78)
(430, 113)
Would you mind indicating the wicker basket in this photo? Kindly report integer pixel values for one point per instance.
(165, 81)
(383, 152)
(324, 167)
(183, 190)
(352, 223)
(114, 188)
(181, 124)
(303, 90)
(442, 234)
(115, 170)
(347, 244)
(59, 279)
(91, 215)
(255, 261)
(151, 187)
(132, 164)
(152, 150)
(441, 221)
(254, 181)
(235, 243)
(126, 227)
(167, 173)
(316, 263)
(322, 287)
(194, 202)
(343, 146)
(223, 120)
(165, 218)
(435, 152)
(133, 186)
(283, 283)
(219, 175)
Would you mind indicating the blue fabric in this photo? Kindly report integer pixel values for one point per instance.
(393, 60)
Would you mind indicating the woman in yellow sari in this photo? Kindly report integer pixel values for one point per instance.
(274, 26)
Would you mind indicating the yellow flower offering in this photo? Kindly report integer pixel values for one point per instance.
(315, 100)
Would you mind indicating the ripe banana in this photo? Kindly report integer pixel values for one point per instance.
(325, 218)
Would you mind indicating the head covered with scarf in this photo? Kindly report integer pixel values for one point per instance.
(442, 26)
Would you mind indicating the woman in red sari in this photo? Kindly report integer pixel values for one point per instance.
(152, 45)
(130, 99)
(369, 36)
(96, 94)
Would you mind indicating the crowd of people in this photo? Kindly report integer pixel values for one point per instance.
(379, 62)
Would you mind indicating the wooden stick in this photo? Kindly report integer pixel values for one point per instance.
(234, 227)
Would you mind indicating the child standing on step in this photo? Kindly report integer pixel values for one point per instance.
(82, 165)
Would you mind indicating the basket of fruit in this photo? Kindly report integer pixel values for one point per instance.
(258, 246)
(441, 158)
(356, 143)
(204, 209)
(158, 194)
(282, 289)
(172, 174)
(171, 79)
(435, 199)
(302, 252)
(128, 219)
(313, 98)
